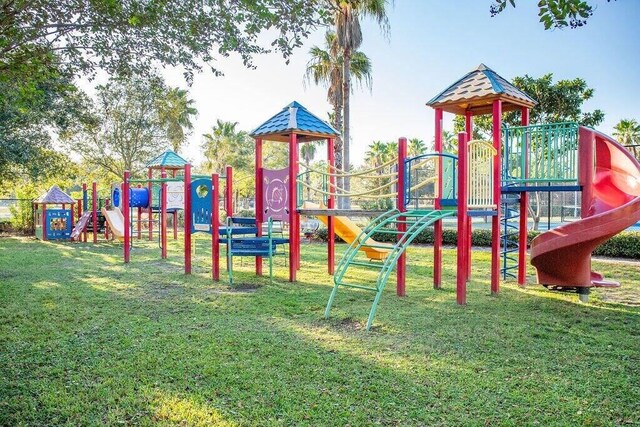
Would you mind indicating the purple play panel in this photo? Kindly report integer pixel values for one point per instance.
(275, 185)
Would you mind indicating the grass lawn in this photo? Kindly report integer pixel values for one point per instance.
(87, 340)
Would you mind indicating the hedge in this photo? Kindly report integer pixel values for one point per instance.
(623, 245)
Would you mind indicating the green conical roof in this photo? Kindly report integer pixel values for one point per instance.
(169, 159)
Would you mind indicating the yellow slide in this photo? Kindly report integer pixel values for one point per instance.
(349, 231)
(115, 219)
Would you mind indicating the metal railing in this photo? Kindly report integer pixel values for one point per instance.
(540, 154)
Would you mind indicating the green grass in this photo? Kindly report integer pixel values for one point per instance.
(87, 340)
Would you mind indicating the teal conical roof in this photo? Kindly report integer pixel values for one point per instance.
(295, 118)
(169, 159)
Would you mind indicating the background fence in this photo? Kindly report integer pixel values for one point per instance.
(16, 215)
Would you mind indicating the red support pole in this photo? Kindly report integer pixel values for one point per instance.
(331, 203)
(497, 191)
(44, 222)
(163, 215)
(84, 196)
(524, 204)
(437, 226)
(150, 208)
(139, 221)
(462, 253)
(229, 191)
(401, 265)
(187, 218)
(468, 116)
(258, 203)
(94, 210)
(215, 226)
(293, 202)
(125, 214)
(72, 212)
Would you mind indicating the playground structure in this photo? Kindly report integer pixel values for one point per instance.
(198, 196)
(487, 178)
(53, 223)
(484, 179)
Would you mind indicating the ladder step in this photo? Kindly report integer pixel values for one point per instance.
(367, 264)
(383, 231)
(352, 285)
(371, 245)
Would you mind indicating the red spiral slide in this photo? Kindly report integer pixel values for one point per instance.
(610, 204)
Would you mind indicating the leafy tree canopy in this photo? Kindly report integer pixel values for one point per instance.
(126, 130)
(45, 44)
(29, 114)
(554, 13)
(133, 36)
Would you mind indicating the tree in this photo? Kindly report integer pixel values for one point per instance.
(449, 142)
(44, 44)
(225, 145)
(628, 133)
(347, 14)
(308, 152)
(275, 155)
(29, 117)
(415, 147)
(132, 37)
(378, 154)
(326, 67)
(554, 13)
(127, 131)
(175, 111)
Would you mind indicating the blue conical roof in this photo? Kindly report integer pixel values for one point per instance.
(168, 159)
(295, 118)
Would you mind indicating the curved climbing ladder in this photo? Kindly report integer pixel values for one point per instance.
(415, 221)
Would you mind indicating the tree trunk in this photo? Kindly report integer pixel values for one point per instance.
(535, 214)
(337, 147)
(346, 92)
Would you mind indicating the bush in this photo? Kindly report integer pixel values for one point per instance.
(623, 245)
(22, 212)
(245, 213)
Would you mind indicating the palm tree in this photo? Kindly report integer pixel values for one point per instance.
(325, 68)
(449, 142)
(416, 147)
(377, 153)
(628, 133)
(175, 113)
(347, 14)
(308, 152)
(227, 146)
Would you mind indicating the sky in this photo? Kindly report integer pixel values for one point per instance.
(432, 43)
